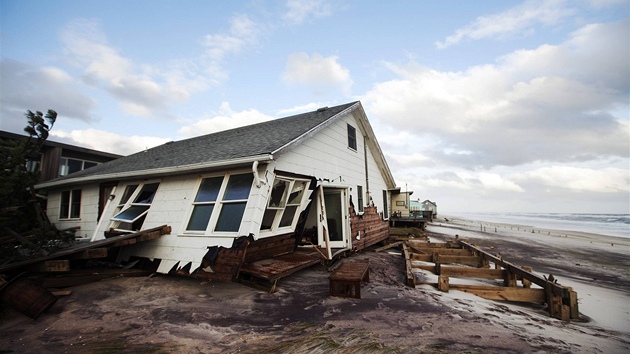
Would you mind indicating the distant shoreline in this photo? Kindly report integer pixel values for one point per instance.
(472, 223)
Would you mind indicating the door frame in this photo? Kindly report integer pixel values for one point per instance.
(323, 234)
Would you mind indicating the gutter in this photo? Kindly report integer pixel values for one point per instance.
(165, 171)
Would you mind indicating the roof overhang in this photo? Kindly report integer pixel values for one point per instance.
(158, 172)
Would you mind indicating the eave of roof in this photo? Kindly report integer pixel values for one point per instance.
(157, 172)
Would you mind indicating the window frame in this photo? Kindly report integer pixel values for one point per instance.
(218, 205)
(71, 206)
(64, 165)
(129, 199)
(278, 225)
(360, 199)
(352, 137)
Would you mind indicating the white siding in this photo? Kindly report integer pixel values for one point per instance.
(89, 210)
(326, 156)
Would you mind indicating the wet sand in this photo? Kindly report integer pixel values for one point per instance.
(165, 314)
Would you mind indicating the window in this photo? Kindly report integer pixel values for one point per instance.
(385, 208)
(360, 198)
(234, 202)
(70, 207)
(131, 215)
(284, 203)
(352, 137)
(221, 198)
(67, 165)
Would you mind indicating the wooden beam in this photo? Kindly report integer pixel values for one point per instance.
(386, 247)
(467, 260)
(503, 293)
(58, 265)
(411, 279)
(422, 257)
(443, 251)
(92, 253)
(467, 272)
(428, 267)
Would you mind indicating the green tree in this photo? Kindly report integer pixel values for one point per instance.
(25, 229)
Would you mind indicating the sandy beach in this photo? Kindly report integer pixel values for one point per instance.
(164, 314)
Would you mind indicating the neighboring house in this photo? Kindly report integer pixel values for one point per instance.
(401, 202)
(239, 195)
(58, 159)
(428, 205)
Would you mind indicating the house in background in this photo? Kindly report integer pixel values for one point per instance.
(58, 159)
(429, 206)
(401, 202)
(316, 180)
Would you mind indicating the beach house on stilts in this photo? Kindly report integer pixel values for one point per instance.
(306, 187)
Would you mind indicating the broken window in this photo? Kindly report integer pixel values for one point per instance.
(360, 198)
(352, 137)
(221, 198)
(130, 216)
(284, 204)
(70, 207)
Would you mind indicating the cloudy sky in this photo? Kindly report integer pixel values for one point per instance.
(488, 105)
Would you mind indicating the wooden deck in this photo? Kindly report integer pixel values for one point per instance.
(264, 274)
(460, 259)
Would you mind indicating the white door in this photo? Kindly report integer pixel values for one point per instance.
(334, 218)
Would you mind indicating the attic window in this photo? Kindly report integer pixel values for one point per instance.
(352, 137)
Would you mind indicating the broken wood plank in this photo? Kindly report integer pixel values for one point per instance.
(386, 247)
(427, 267)
(92, 253)
(467, 272)
(443, 283)
(57, 265)
(411, 280)
(503, 293)
(422, 257)
(467, 260)
(163, 230)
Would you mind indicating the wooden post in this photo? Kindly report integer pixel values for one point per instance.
(436, 260)
(526, 282)
(573, 304)
(443, 283)
(510, 279)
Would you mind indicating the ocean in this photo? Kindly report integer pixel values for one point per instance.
(602, 224)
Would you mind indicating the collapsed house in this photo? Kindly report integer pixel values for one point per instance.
(313, 181)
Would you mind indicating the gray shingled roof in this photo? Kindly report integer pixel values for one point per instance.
(248, 141)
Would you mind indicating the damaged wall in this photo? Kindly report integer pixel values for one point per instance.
(367, 229)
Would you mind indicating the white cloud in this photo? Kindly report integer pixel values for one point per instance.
(225, 119)
(299, 10)
(107, 141)
(26, 87)
(144, 89)
(553, 103)
(317, 72)
(579, 179)
(514, 20)
(243, 32)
